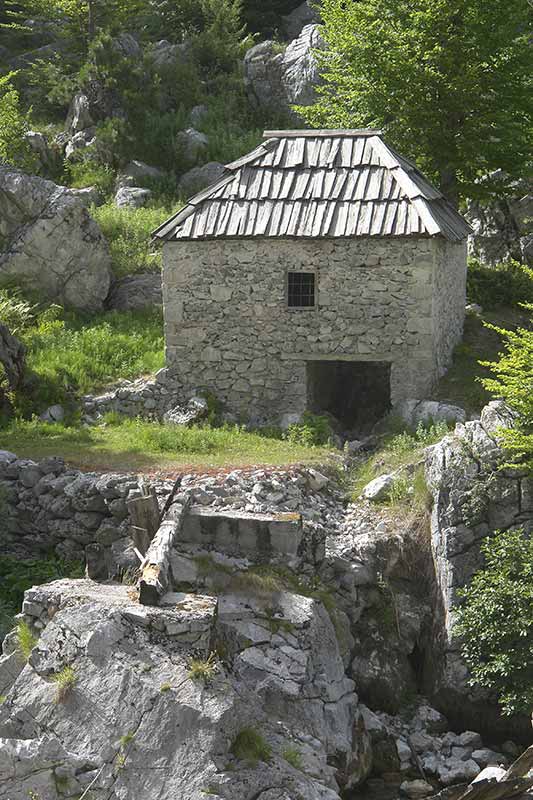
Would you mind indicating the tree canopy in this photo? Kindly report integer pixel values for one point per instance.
(14, 124)
(448, 81)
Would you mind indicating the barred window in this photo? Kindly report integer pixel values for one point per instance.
(301, 289)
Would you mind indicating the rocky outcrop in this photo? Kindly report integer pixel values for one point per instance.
(305, 14)
(135, 724)
(132, 197)
(49, 244)
(277, 80)
(472, 498)
(503, 229)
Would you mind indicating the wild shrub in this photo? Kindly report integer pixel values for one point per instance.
(314, 429)
(293, 756)
(86, 171)
(507, 284)
(495, 621)
(251, 746)
(15, 311)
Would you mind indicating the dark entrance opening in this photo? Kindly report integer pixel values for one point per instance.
(356, 393)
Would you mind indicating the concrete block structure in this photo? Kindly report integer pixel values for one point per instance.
(321, 272)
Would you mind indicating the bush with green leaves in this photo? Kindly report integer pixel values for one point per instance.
(495, 621)
(513, 382)
(314, 429)
(507, 284)
(14, 124)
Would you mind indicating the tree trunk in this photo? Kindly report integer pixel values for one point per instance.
(449, 186)
(91, 21)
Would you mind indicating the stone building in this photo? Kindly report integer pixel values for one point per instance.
(321, 272)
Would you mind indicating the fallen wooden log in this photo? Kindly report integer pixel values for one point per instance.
(156, 573)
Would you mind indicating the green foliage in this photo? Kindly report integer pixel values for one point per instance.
(26, 641)
(506, 284)
(14, 124)
(293, 756)
(496, 621)
(265, 18)
(513, 382)
(250, 745)
(17, 575)
(65, 681)
(165, 687)
(86, 171)
(203, 669)
(128, 232)
(448, 86)
(15, 311)
(314, 429)
(221, 40)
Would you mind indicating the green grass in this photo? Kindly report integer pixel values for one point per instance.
(250, 745)
(65, 681)
(293, 756)
(136, 444)
(79, 355)
(26, 641)
(128, 232)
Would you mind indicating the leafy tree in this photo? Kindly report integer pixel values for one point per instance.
(496, 621)
(14, 149)
(449, 82)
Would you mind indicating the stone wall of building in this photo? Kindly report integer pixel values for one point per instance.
(449, 291)
(228, 327)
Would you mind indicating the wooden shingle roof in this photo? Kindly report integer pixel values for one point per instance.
(318, 184)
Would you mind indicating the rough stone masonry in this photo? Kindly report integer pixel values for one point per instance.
(228, 327)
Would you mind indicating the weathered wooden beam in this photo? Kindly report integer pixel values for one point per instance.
(144, 517)
(156, 572)
(521, 766)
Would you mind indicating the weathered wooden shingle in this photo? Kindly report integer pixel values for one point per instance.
(318, 184)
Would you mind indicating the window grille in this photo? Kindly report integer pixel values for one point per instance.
(301, 290)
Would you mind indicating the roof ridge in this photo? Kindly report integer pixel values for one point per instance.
(321, 133)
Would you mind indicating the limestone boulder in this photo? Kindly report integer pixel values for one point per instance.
(136, 172)
(136, 292)
(166, 55)
(192, 144)
(197, 178)
(277, 80)
(428, 412)
(80, 141)
(132, 197)
(304, 14)
(49, 242)
(79, 115)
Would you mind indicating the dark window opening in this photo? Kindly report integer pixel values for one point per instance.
(356, 393)
(301, 289)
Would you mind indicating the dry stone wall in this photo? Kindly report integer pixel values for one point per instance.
(45, 506)
(228, 327)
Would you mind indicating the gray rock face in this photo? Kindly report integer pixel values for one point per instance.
(412, 412)
(132, 197)
(80, 141)
(79, 116)
(39, 144)
(192, 144)
(136, 725)
(277, 80)
(472, 498)
(195, 410)
(50, 244)
(379, 488)
(136, 292)
(137, 171)
(88, 196)
(295, 22)
(504, 228)
(166, 55)
(197, 178)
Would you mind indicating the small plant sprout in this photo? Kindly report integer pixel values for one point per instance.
(203, 669)
(126, 739)
(65, 681)
(26, 641)
(293, 756)
(165, 687)
(250, 745)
